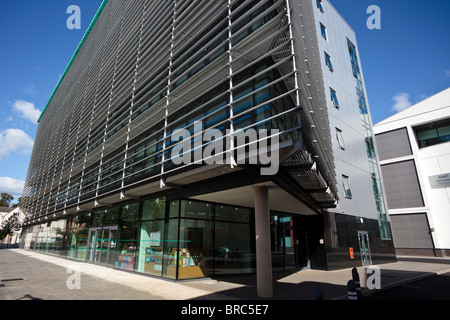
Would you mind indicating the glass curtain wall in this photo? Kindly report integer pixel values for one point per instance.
(282, 241)
(433, 133)
(78, 229)
(151, 235)
(186, 239)
(50, 236)
(178, 239)
(384, 225)
(126, 246)
(195, 254)
(234, 248)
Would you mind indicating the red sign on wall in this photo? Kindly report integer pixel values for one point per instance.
(352, 255)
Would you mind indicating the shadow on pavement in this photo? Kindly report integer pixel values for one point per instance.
(28, 297)
(308, 289)
(305, 290)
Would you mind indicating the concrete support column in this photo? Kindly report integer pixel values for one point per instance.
(263, 249)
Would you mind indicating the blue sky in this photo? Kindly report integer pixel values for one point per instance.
(408, 58)
(404, 62)
(35, 48)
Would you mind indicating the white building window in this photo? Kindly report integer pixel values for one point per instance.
(346, 183)
(320, 5)
(340, 139)
(328, 62)
(334, 98)
(323, 31)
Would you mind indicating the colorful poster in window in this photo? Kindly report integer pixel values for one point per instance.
(155, 239)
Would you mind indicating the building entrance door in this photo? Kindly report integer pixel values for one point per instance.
(289, 244)
(301, 241)
(364, 247)
(101, 245)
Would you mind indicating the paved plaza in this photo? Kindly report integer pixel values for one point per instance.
(27, 275)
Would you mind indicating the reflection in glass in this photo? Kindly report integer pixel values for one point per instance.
(195, 253)
(170, 250)
(92, 244)
(112, 246)
(284, 242)
(126, 248)
(105, 246)
(233, 248)
(77, 244)
(230, 213)
(172, 239)
(151, 246)
(195, 209)
(97, 218)
(174, 208)
(77, 238)
(289, 242)
(127, 235)
(110, 216)
(154, 209)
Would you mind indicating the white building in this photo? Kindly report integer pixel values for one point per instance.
(348, 108)
(415, 159)
(5, 214)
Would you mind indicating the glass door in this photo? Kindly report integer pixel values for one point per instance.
(102, 243)
(92, 242)
(289, 247)
(98, 245)
(112, 245)
(289, 244)
(301, 241)
(364, 247)
(276, 239)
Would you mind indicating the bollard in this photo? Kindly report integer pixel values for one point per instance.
(318, 293)
(351, 290)
(355, 277)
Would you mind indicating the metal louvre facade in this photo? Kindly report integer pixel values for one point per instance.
(148, 68)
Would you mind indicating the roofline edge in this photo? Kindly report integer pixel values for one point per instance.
(83, 40)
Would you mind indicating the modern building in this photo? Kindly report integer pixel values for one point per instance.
(414, 152)
(104, 184)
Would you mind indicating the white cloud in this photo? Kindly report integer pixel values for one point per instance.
(12, 186)
(402, 102)
(422, 97)
(12, 140)
(447, 74)
(27, 110)
(29, 89)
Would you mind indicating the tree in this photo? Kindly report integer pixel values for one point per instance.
(18, 204)
(5, 199)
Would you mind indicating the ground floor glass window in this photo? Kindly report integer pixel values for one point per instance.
(234, 251)
(177, 239)
(195, 254)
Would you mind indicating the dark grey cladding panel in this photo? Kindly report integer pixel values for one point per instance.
(402, 185)
(411, 231)
(393, 144)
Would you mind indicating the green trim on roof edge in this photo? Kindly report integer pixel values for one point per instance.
(86, 34)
